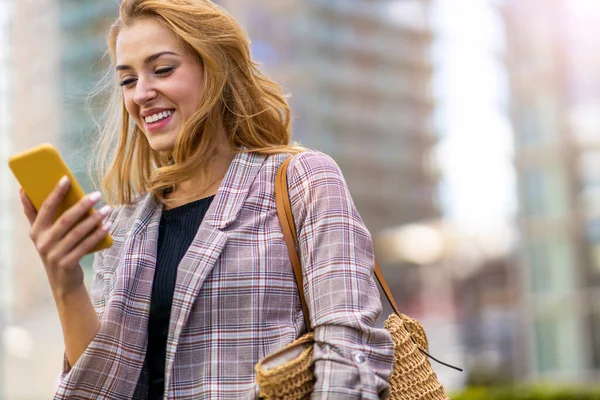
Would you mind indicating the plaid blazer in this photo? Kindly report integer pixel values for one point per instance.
(235, 298)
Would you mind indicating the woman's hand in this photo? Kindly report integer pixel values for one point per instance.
(62, 244)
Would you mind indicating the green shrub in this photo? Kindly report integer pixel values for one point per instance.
(528, 393)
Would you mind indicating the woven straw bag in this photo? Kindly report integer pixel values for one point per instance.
(288, 374)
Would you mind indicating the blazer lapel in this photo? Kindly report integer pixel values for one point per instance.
(208, 244)
(134, 290)
(112, 363)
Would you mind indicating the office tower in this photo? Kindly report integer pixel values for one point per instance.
(360, 91)
(555, 95)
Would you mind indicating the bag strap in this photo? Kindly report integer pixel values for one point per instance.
(288, 227)
(286, 220)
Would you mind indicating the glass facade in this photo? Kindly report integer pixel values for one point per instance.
(551, 265)
(546, 345)
(83, 28)
(84, 25)
(555, 88)
(594, 333)
(554, 336)
(544, 191)
(381, 105)
(592, 273)
(360, 85)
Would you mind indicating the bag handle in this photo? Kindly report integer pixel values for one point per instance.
(288, 227)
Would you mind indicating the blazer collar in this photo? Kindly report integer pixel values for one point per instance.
(228, 200)
(234, 190)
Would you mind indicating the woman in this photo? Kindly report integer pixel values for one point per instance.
(197, 287)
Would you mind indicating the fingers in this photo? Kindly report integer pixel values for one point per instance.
(74, 215)
(82, 230)
(50, 205)
(86, 245)
(28, 208)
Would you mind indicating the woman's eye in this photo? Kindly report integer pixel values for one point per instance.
(164, 71)
(126, 82)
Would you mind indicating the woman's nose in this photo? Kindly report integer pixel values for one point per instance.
(144, 91)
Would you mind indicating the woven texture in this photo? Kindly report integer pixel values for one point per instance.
(412, 376)
(293, 380)
(411, 379)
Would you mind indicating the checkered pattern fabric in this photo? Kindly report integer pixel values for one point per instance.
(235, 298)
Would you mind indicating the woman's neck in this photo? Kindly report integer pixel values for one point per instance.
(202, 185)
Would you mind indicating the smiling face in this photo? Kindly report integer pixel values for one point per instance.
(162, 83)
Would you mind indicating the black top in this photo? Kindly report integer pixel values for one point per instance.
(177, 229)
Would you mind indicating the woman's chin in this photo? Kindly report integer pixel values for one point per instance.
(161, 145)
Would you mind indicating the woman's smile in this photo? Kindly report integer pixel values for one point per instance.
(156, 120)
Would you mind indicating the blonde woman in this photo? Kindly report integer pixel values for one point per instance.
(197, 287)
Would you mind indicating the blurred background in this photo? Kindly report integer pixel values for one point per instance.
(468, 132)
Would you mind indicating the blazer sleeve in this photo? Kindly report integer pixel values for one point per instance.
(352, 358)
(97, 293)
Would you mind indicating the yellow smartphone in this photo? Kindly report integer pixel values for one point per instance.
(38, 171)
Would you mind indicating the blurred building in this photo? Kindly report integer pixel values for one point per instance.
(554, 67)
(5, 217)
(33, 103)
(49, 61)
(83, 25)
(55, 48)
(488, 322)
(360, 91)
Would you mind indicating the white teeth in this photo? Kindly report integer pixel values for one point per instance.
(155, 117)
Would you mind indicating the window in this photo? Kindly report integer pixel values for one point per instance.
(533, 192)
(538, 258)
(594, 334)
(530, 132)
(538, 118)
(589, 168)
(551, 264)
(544, 191)
(546, 345)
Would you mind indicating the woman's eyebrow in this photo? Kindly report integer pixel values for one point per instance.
(147, 60)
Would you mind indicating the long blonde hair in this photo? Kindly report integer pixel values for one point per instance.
(237, 97)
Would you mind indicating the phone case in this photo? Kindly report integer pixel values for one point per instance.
(38, 171)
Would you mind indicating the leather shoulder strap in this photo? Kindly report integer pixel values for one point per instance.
(286, 220)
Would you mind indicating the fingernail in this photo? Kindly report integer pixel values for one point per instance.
(106, 226)
(94, 197)
(63, 181)
(104, 210)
